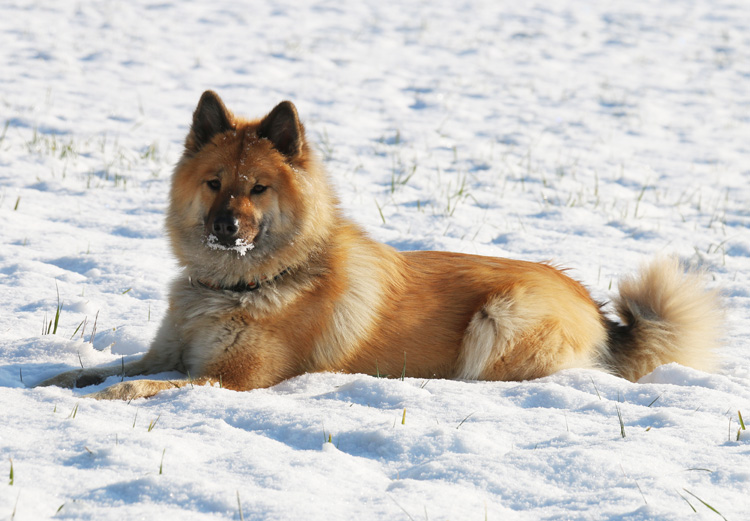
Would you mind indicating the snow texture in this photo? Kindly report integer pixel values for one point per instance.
(241, 246)
(593, 134)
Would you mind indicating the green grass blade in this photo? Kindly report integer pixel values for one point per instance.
(712, 509)
(466, 418)
(380, 211)
(58, 311)
(239, 505)
(595, 389)
(622, 424)
(161, 464)
(688, 502)
(152, 424)
(76, 331)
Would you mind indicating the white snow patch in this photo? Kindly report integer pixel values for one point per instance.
(594, 134)
(241, 246)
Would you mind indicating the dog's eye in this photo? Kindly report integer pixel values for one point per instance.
(258, 189)
(214, 184)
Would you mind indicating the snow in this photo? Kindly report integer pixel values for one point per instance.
(241, 246)
(596, 135)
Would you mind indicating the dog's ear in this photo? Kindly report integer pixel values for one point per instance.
(282, 127)
(211, 117)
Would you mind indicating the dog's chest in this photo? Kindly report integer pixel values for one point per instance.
(212, 329)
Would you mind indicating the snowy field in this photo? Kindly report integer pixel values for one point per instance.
(592, 134)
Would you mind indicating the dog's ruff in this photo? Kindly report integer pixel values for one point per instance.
(276, 282)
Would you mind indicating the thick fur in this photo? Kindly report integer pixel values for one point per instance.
(667, 317)
(250, 204)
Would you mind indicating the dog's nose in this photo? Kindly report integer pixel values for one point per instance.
(225, 227)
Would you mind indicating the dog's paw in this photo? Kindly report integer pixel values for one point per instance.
(71, 379)
(67, 380)
(132, 390)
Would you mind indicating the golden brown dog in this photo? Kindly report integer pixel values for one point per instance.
(276, 282)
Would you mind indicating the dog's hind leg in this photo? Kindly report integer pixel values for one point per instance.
(521, 336)
(490, 332)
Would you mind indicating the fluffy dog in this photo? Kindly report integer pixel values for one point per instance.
(276, 282)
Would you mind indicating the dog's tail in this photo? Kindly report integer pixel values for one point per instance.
(667, 316)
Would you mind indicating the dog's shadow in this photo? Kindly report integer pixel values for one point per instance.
(27, 375)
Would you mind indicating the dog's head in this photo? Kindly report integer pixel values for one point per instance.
(248, 197)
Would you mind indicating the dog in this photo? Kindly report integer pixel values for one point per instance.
(277, 282)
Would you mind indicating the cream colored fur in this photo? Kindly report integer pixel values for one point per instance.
(672, 318)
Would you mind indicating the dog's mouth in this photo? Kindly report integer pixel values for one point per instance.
(241, 246)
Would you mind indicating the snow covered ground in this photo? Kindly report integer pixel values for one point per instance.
(594, 134)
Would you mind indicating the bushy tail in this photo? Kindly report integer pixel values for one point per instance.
(667, 316)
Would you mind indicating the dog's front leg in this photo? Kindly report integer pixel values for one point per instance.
(134, 389)
(95, 375)
(163, 355)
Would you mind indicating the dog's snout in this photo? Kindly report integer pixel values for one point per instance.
(225, 227)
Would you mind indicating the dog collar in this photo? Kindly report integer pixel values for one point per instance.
(242, 286)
